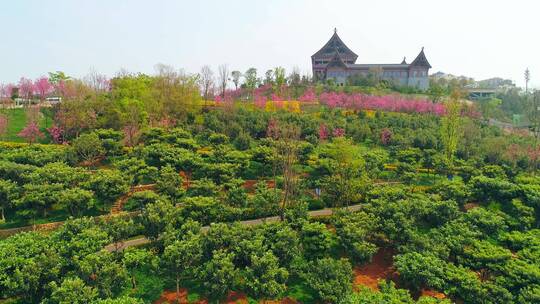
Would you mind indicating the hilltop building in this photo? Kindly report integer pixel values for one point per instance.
(336, 61)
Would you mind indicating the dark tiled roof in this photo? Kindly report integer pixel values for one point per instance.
(421, 60)
(336, 62)
(385, 66)
(335, 44)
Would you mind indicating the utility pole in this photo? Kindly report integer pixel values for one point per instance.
(527, 79)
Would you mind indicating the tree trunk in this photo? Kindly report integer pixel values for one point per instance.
(2, 214)
(177, 289)
(133, 283)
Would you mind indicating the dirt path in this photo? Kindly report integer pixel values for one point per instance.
(255, 222)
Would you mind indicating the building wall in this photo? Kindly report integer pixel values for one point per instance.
(419, 78)
(406, 77)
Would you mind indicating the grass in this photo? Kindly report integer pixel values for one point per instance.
(301, 292)
(149, 285)
(17, 122)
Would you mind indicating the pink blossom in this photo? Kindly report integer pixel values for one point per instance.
(31, 132)
(276, 97)
(323, 132)
(308, 96)
(260, 100)
(57, 134)
(26, 88)
(6, 90)
(390, 103)
(42, 87)
(338, 132)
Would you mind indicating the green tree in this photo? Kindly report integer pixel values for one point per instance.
(101, 271)
(451, 129)
(156, 216)
(135, 259)
(331, 279)
(108, 185)
(169, 182)
(72, 291)
(38, 199)
(218, 275)
(265, 278)
(76, 200)
(87, 148)
(119, 228)
(181, 257)
(28, 262)
(315, 239)
(250, 79)
(347, 180)
(236, 78)
(8, 196)
(354, 232)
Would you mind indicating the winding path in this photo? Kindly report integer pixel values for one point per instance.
(272, 219)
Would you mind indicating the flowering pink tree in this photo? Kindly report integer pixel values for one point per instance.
(338, 132)
(308, 96)
(323, 132)
(5, 90)
(57, 134)
(390, 103)
(386, 136)
(259, 100)
(26, 89)
(31, 132)
(43, 87)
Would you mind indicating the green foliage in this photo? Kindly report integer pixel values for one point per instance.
(76, 200)
(101, 271)
(316, 240)
(265, 278)
(218, 274)
(354, 232)
(181, 256)
(156, 216)
(27, 264)
(72, 290)
(108, 185)
(330, 278)
(389, 294)
(169, 183)
(87, 148)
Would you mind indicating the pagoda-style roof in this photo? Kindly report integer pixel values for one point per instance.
(336, 62)
(335, 44)
(404, 60)
(421, 60)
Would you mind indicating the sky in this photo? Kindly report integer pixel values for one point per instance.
(479, 39)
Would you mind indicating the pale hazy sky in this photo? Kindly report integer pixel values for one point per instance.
(477, 38)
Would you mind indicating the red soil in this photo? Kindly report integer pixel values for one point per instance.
(236, 298)
(169, 297)
(433, 293)
(380, 268)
